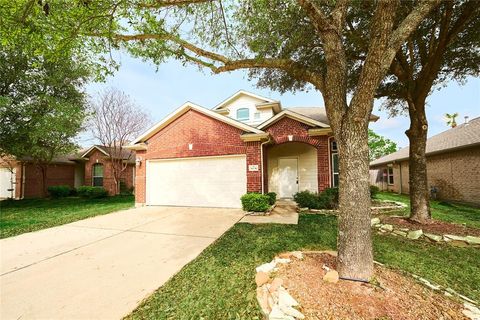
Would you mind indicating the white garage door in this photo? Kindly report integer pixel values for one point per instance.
(6, 185)
(197, 182)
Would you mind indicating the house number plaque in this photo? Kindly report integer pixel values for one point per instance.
(253, 167)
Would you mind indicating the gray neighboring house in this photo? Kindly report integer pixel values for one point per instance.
(453, 165)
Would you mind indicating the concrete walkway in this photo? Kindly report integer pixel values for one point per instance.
(102, 267)
(285, 212)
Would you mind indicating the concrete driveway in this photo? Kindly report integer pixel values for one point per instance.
(102, 267)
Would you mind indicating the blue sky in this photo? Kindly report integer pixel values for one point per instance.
(161, 91)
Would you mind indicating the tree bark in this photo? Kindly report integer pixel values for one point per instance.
(417, 135)
(354, 242)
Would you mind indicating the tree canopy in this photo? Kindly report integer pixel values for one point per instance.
(42, 105)
(379, 146)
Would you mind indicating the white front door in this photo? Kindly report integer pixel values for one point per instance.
(288, 177)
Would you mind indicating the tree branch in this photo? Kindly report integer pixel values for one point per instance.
(291, 67)
(169, 3)
(404, 30)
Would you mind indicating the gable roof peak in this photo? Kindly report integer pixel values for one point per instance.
(244, 93)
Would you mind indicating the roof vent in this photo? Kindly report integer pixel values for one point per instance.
(466, 120)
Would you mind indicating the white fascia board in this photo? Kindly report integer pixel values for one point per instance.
(295, 116)
(90, 149)
(238, 93)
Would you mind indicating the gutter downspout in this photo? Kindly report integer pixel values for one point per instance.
(261, 161)
(401, 183)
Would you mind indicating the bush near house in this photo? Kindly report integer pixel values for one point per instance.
(272, 196)
(328, 199)
(59, 191)
(91, 192)
(374, 190)
(256, 202)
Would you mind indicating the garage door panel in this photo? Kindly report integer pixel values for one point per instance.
(207, 182)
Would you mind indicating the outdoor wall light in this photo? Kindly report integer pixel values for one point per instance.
(190, 146)
(290, 137)
(138, 161)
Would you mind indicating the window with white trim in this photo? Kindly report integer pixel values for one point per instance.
(97, 175)
(243, 114)
(390, 175)
(334, 164)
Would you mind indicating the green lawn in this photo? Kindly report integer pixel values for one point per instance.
(20, 216)
(219, 284)
(450, 212)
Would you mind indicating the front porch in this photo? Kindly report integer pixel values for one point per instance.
(295, 166)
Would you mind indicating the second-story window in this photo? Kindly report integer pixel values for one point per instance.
(243, 114)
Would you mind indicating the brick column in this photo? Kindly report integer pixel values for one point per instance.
(140, 180)
(254, 178)
(323, 162)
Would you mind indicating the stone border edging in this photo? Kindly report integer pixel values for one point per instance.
(277, 304)
(458, 241)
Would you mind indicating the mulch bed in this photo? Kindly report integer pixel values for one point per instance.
(436, 227)
(395, 296)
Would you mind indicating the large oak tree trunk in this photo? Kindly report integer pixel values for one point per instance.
(355, 256)
(417, 135)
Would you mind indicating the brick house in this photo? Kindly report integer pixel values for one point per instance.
(247, 143)
(21, 179)
(453, 165)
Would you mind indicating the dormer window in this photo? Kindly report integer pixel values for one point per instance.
(243, 114)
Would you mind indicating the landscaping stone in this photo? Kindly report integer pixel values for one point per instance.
(400, 233)
(289, 311)
(331, 276)
(278, 314)
(414, 234)
(266, 267)
(261, 278)
(276, 283)
(386, 227)
(471, 311)
(262, 298)
(433, 237)
(473, 240)
(285, 298)
(374, 221)
(281, 260)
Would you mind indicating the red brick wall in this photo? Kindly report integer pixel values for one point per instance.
(108, 181)
(209, 137)
(280, 131)
(57, 174)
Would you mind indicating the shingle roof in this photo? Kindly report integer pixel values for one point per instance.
(462, 136)
(318, 113)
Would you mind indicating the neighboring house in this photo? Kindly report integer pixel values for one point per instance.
(453, 165)
(23, 179)
(247, 143)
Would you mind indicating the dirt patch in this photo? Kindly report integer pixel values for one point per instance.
(436, 227)
(394, 297)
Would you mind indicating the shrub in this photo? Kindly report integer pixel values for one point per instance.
(374, 190)
(255, 202)
(59, 191)
(272, 197)
(307, 199)
(328, 199)
(91, 192)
